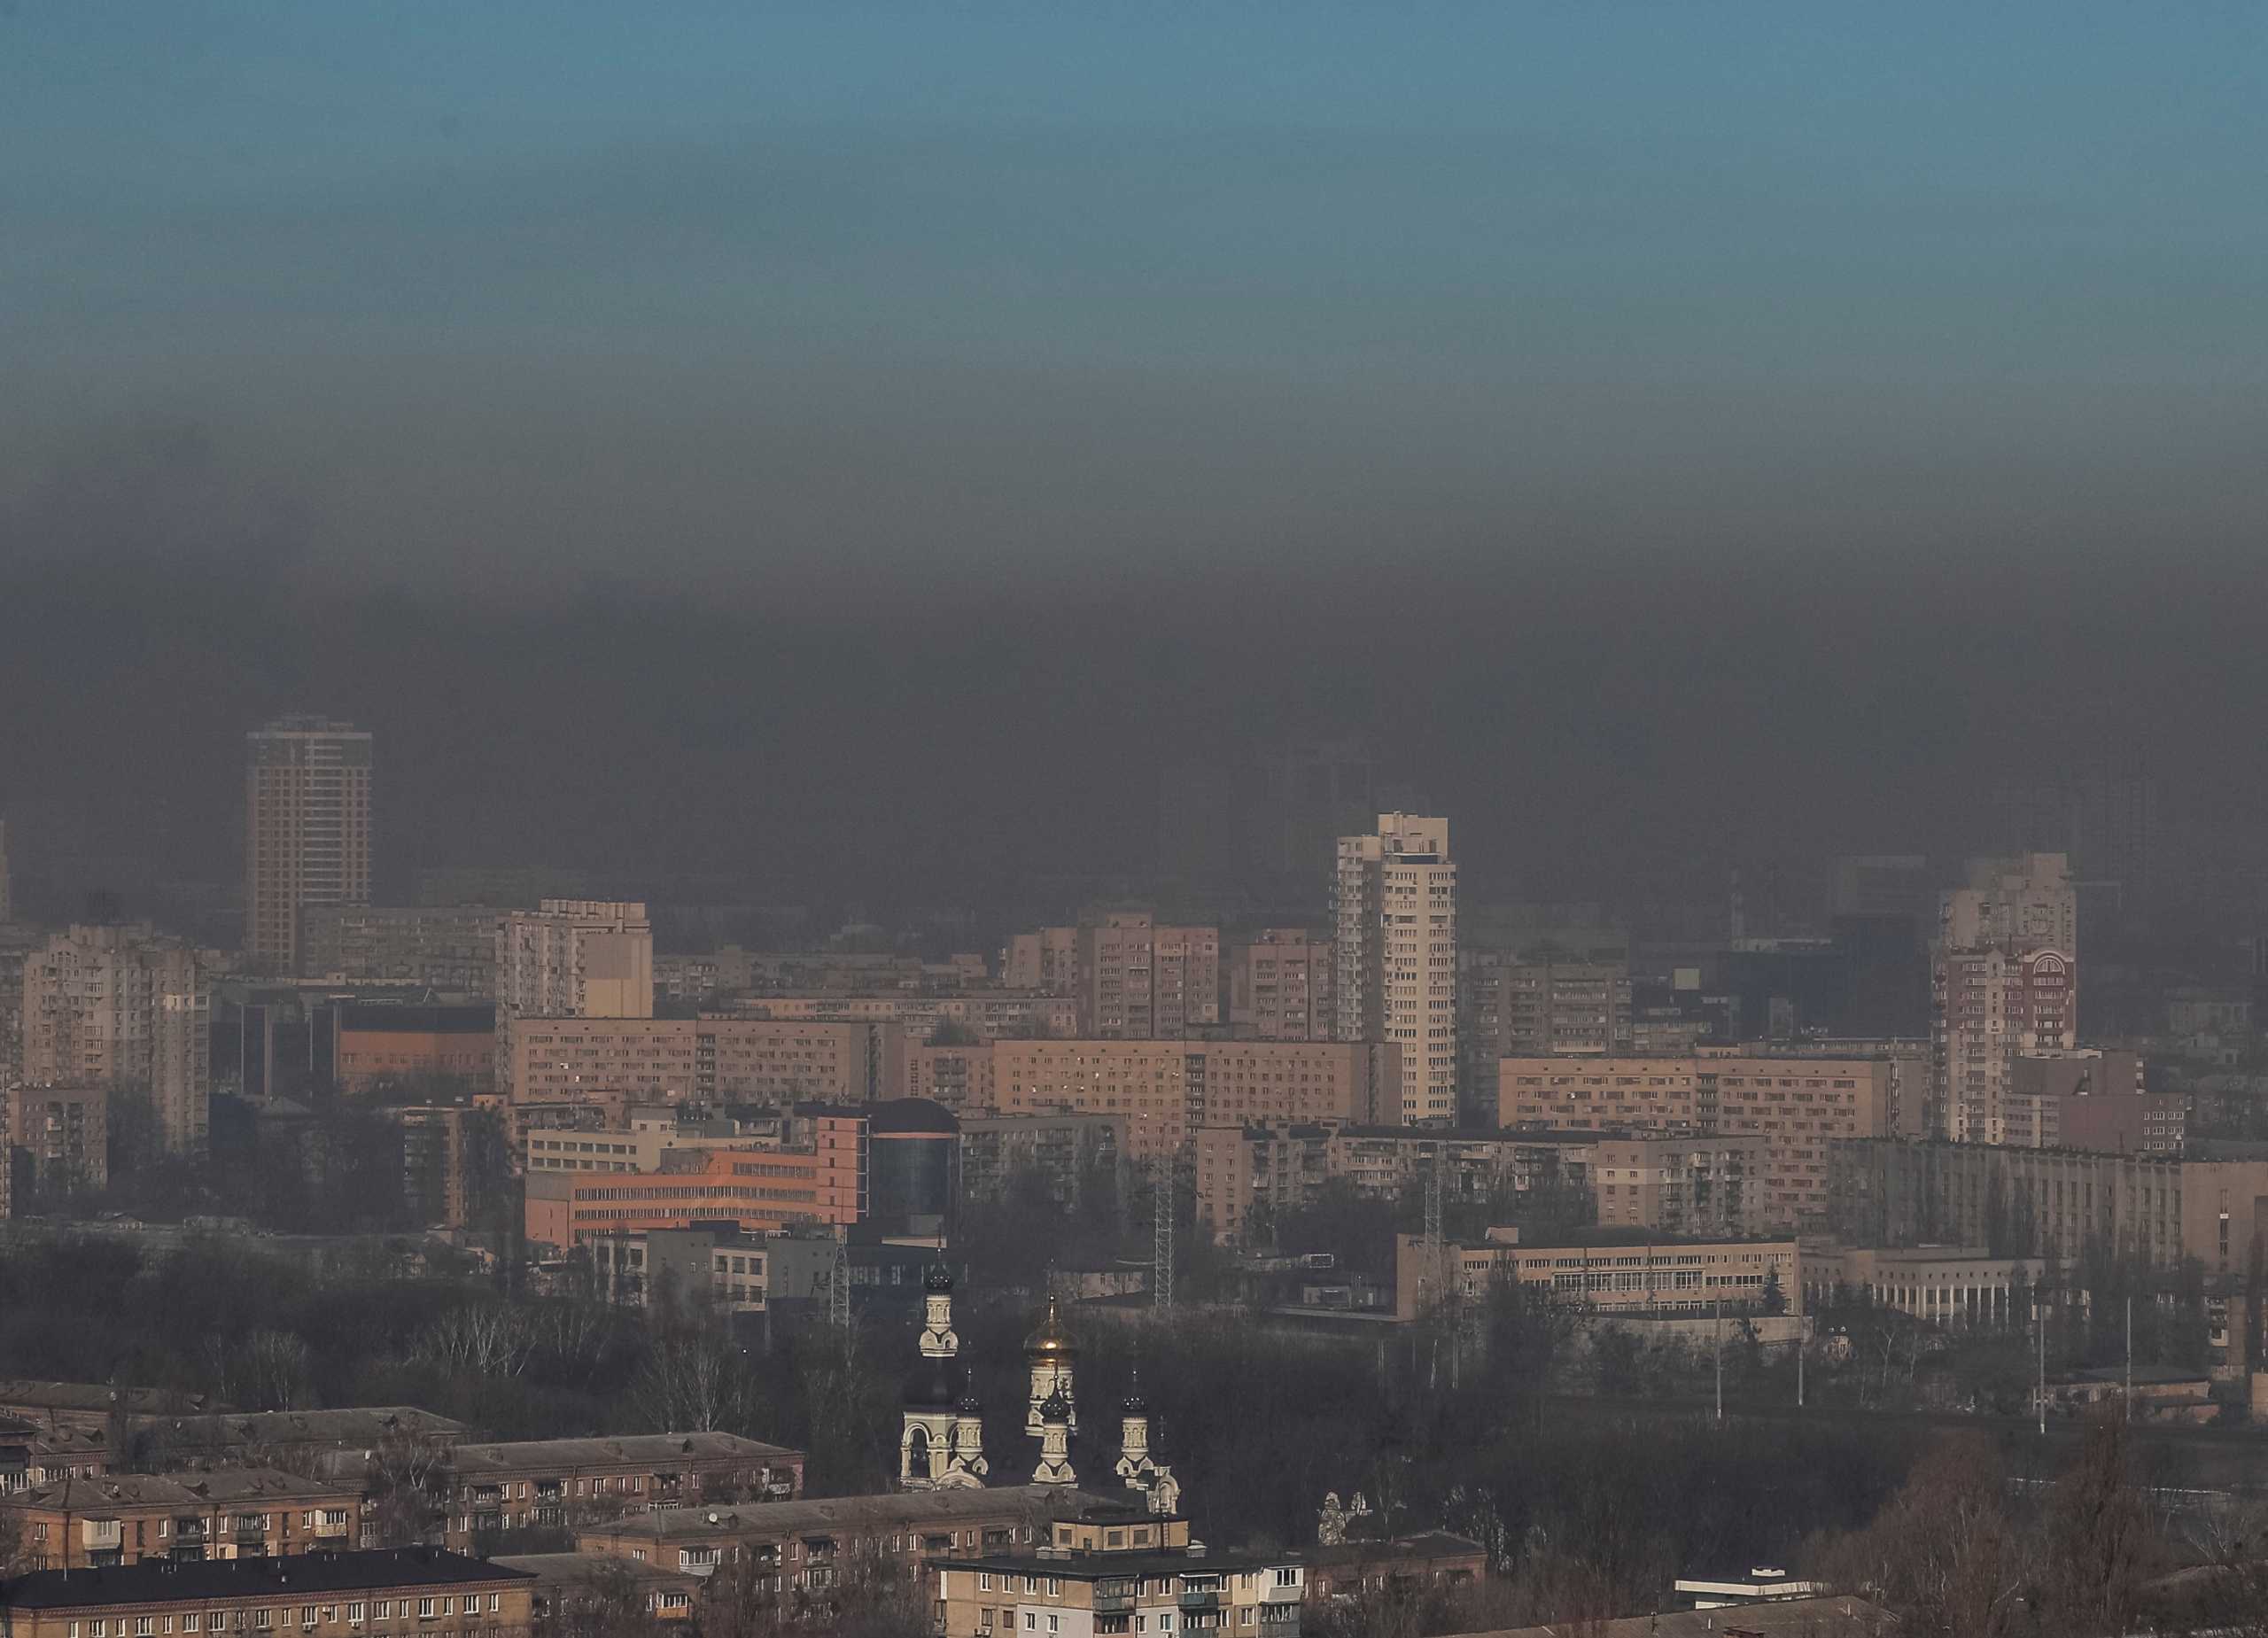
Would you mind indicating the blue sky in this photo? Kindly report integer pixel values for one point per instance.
(750, 289)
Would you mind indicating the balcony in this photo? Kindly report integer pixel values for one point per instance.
(96, 1535)
(332, 1523)
(1113, 1603)
(1200, 1601)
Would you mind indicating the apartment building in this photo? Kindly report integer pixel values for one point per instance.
(1394, 927)
(122, 1007)
(562, 1483)
(1516, 1007)
(1798, 1104)
(307, 830)
(1274, 1167)
(228, 1512)
(449, 948)
(1122, 1573)
(708, 1060)
(2089, 1100)
(569, 959)
(2004, 982)
(1046, 960)
(297, 1440)
(960, 1077)
(1610, 1272)
(1162, 1091)
(391, 1593)
(1693, 1184)
(803, 1545)
(984, 1014)
(59, 1136)
(1279, 983)
(2052, 1203)
(728, 1269)
(1066, 1150)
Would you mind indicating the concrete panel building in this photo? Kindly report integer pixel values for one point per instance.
(1280, 982)
(307, 830)
(1394, 927)
(122, 1007)
(450, 948)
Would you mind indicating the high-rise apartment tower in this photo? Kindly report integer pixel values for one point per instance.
(307, 830)
(1395, 950)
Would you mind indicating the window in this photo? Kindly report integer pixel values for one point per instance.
(189, 1622)
(263, 1618)
(385, 1609)
(984, 1580)
(355, 1612)
(495, 1603)
(424, 1609)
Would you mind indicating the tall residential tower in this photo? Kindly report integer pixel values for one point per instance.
(2004, 981)
(1395, 950)
(307, 830)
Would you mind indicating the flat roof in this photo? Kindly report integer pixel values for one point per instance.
(628, 1448)
(155, 1581)
(826, 1515)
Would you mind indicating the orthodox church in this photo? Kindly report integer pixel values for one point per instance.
(943, 1445)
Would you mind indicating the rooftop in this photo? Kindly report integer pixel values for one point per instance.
(155, 1581)
(365, 1425)
(95, 1396)
(1786, 1618)
(182, 1490)
(659, 1450)
(1110, 1567)
(833, 1513)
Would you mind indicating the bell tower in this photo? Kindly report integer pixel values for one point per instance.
(1048, 1351)
(936, 1450)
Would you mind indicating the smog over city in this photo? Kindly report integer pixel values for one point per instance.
(738, 745)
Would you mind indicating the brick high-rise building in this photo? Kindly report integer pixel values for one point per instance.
(570, 957)
(1134, 979)
(2004, 982)
(1395, 940)
(1279, 985)
(123, 1008)
(307, 830)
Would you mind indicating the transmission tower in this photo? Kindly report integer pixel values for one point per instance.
(838, 1287)
(1162, 1238)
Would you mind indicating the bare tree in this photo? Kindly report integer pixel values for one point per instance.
(408, 1472)
(482, 1339)
(273, 1371)
(695, 1384)
(1942, 1556)
(606, 1602)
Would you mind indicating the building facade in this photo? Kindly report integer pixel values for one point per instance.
(392, 1593)
(714, 1061)
(565, 1483)
(122, 1007)
(307, 830)
(60, 1137)
(1798, 1105)
(1394, 927)
(127, 1518)
(1609, 1273)
(449, 948)
(2004, 982)
(1280, 986)
(570, 959)
(2052, 1203)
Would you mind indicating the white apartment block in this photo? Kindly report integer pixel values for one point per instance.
(1394, 915)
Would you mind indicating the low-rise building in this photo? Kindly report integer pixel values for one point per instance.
(383, 1045)
(1613, 1272)
(803, 1544)
(239, 1512)
(90, 1405)
(298, 1440)
(567, 1587)
(31, 1457)
(1120, 1572)
(392, 1592)
(562, 1483)
(1946, 1285)
(1394, 1568)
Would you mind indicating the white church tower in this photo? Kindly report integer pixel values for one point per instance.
(1055, 1441)
(943, 1445)
(1136, 1466)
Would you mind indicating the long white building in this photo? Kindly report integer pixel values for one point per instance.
(1394, 955)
